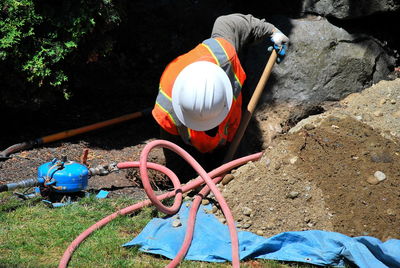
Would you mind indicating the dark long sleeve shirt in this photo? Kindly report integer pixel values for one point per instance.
(241, 29)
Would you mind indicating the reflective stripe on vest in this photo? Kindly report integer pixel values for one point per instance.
(222, 59)
(165, 103)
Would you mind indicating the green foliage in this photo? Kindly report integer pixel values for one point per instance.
(40, 38)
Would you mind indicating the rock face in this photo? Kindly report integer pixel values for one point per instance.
(323, 63)
(346, 9)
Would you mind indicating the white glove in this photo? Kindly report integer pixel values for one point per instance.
(279, 39)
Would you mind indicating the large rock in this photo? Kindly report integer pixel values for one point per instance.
(323, 63)
(345, 9)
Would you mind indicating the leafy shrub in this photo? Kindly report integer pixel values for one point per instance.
(39, 40)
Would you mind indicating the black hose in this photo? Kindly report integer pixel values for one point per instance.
(20, 184)
(17, 147)
(3, 188)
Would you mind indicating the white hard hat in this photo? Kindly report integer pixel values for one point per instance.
(202, 95)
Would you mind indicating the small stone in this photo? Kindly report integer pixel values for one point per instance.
(335, 127)
(227, 178)
(247, 211)
(359, 117)
(378, 113)
(293, 194)
(214, 209)
(293, 160)
(259, 232)
(372, 145)
(205, 202)
(381, 157)
(270, 226)
(380, 176)
(309, 127)
(187, 205)
(372, 180)
(246, 225)
(391, 212)
(176, 223)
(393, 101)
(382, 101)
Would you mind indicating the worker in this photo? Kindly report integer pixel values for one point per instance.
(199, 102)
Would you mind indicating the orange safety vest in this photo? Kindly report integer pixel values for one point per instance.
(220, 52)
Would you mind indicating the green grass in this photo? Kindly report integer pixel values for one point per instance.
(34, 235)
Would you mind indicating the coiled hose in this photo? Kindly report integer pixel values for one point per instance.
(177, 192)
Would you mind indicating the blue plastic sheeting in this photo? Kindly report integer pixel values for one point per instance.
(211, 243)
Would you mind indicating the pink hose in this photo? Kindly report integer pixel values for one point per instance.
(204, 177)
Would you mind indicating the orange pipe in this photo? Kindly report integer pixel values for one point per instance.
(76, 131)
(69, 133)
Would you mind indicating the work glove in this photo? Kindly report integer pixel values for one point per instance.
(281, 42)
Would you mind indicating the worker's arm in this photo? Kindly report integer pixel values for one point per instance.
(241, 29)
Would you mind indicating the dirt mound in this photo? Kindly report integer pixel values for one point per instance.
(321, 178)
(332, 172)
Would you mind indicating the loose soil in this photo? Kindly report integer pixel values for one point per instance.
(320, 175)
(317, 174)
(318, 179)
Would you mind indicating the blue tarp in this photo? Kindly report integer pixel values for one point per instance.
(211, 243)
